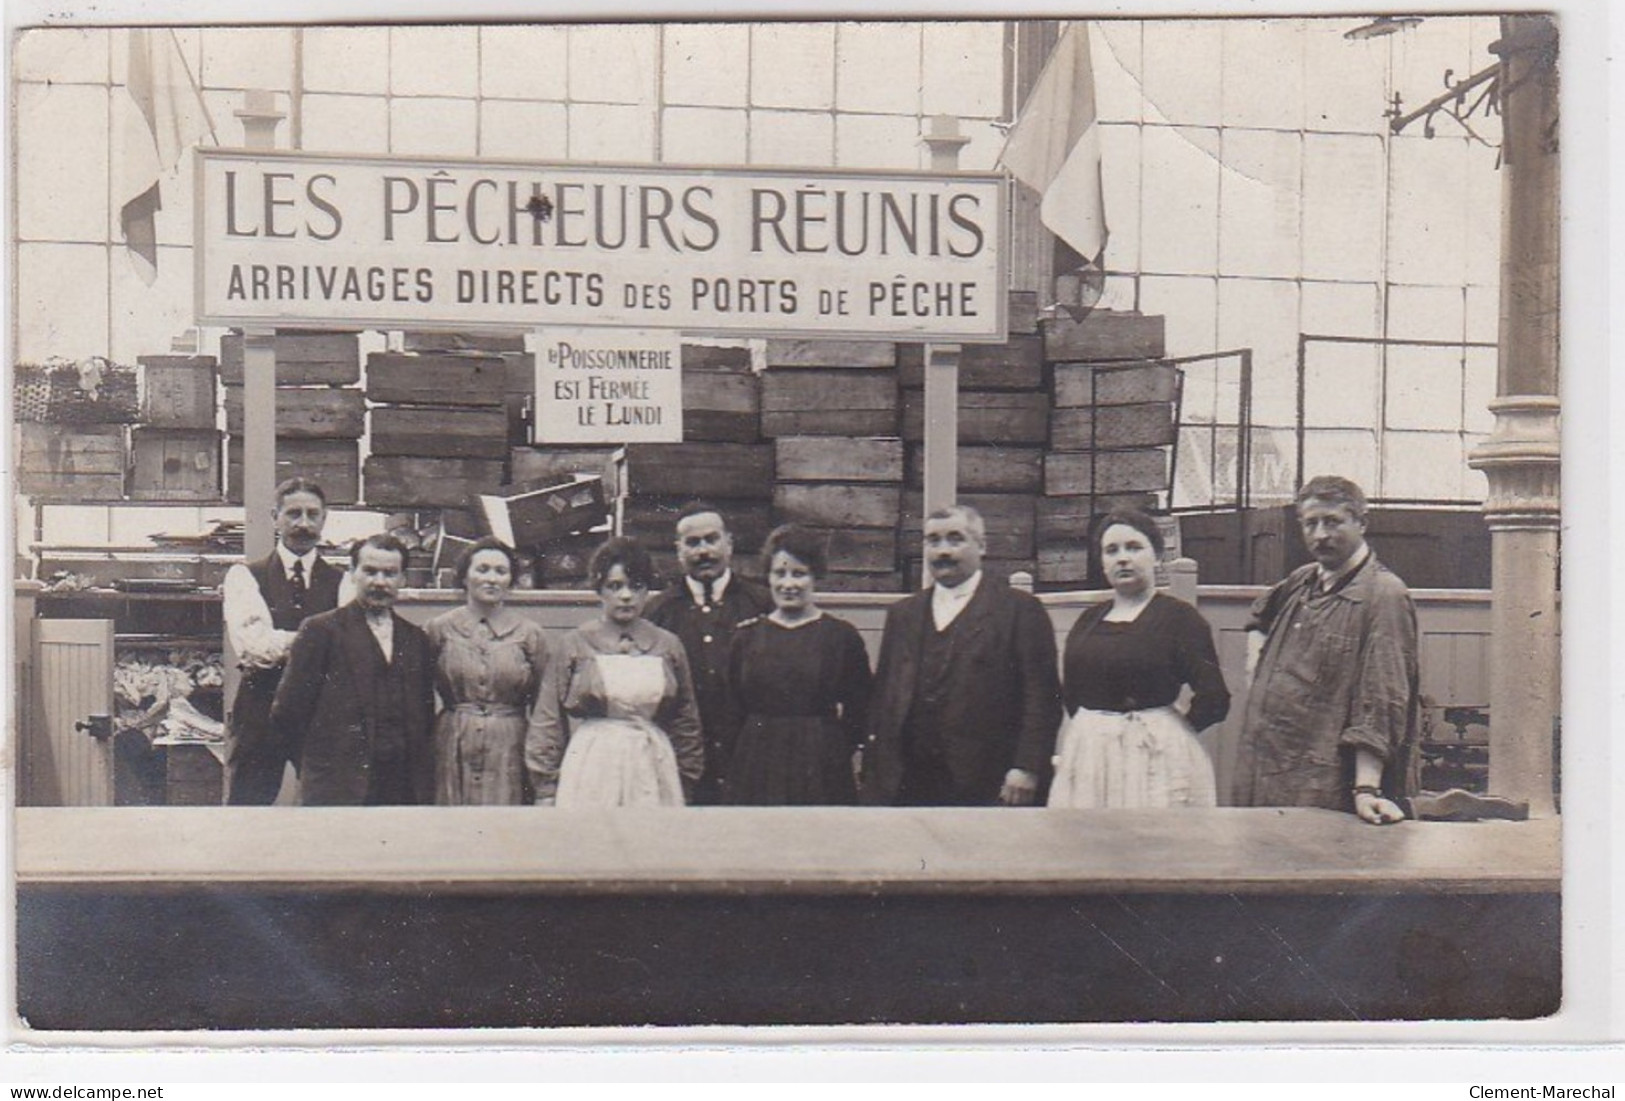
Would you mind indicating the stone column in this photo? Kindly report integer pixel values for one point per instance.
(1521, 458)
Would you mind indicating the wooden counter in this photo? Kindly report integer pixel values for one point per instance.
(783, 850)
(183, 918)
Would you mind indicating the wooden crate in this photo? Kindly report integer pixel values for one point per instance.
(52, 485)
(855, 506)
(1069, 474)
(1063, 565)
(739, 470)
(402, 482)
(1104, 335)
(715, 357)
(829, 403)
(1112, 427)
(175, 464)
(1082, 383)
(1017, 364)
(441, 340)
(302, 359)
(839, 459)
(306, 413)
(71, 463)
(178, 391)
(445, 432)
(860, 550)
(401, 379)
(986, 418)
(987, 469)
(560, 464)
(721, 406)
(889, 582)
(335, 465)
(1008, 518)
(831, 353)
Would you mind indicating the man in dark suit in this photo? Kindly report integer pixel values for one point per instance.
(702, 608)
(356, 704)
(967, 692)
(264, 602)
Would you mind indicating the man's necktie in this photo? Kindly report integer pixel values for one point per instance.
(297, 578)
(708, 594)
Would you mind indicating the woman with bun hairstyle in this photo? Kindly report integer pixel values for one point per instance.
(1126, 661)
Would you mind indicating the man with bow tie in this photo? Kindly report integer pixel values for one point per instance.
(264, 604)
(702, 608)
(967, 697)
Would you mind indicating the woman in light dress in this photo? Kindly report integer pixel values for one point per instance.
(1124, 743)
(489, 662)
(616, 723)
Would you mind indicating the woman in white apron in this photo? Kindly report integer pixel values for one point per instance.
(616, 723)
(1124, 743)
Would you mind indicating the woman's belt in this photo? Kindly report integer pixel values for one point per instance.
(489, 709)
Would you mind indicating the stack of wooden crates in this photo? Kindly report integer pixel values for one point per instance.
(319, 411)
(1111, 427)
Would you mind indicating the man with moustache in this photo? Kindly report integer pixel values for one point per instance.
(1332, 714)
(264, 602)
(967, 696)
(356, 704)
(702, 608)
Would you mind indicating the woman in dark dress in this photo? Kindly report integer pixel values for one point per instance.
(801, 679)
(1123, 743)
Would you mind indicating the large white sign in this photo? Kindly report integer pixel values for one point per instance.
(609, 386)
(307, 239)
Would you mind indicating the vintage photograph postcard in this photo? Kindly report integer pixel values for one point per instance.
(530, 525)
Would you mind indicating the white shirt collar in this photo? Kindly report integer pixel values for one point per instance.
(289, 558)
(947, 602)
(696, 589)
(962, 591)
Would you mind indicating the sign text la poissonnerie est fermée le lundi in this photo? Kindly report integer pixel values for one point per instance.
(394, 242)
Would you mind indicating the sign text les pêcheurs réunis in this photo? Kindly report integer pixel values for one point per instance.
(401, 242)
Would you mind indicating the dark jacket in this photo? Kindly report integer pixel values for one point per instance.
(323, 706)
(707, 640)
(1004, 707)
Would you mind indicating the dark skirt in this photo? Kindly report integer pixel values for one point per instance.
(798, 760)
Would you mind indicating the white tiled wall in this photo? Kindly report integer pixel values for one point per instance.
(1265, 160)
(1251, 185)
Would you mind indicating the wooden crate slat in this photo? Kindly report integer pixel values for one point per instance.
(399, 481)
(450, 432)
(335, 465)
(1104, 335)
(178, 391)
(1114, 385)
(839, 459)
(306, 413)
(839, 505)
(401, 379)
(700, 469)
(302, 359)
(1112, 427)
